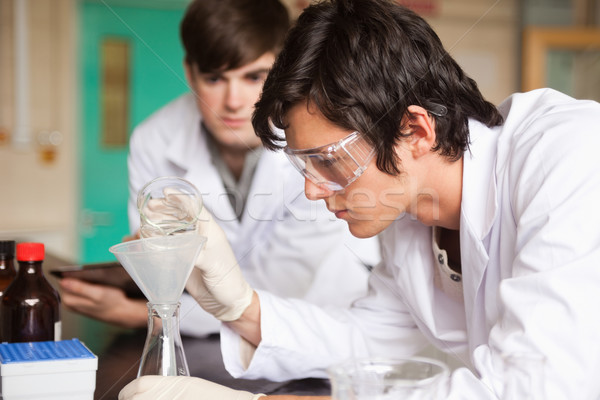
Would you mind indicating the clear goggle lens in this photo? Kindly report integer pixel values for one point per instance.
(336, 165)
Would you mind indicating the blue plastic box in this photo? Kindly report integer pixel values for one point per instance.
(62, 370)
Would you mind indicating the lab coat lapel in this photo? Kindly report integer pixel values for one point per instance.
(478, 212)
(407, 245)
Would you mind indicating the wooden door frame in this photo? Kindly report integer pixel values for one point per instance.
(538, 41)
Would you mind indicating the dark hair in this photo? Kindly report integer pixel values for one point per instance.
(362, 63)
(218, 35)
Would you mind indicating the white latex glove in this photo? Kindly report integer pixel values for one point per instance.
(216, 282)
(152, 387)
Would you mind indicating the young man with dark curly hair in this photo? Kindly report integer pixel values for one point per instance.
(488, 216)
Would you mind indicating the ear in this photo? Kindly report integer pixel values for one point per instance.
(189, 73)
(422, 128)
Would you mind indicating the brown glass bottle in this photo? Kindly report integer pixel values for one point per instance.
(7, 264)
(30, 306)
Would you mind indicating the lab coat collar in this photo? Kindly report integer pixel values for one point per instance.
(479, 201)
(478, 209)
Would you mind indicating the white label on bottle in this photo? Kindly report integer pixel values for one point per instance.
(57, 330)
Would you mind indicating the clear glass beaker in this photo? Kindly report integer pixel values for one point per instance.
(389, 379)
(168, 205)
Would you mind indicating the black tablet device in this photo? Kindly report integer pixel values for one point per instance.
(110, 273)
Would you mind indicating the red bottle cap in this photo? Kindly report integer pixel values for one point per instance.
(30, 251)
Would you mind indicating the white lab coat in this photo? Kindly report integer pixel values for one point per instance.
(284, 243)
(530, 247)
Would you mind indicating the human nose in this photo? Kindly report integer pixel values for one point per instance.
(233, 95)
(314, 191)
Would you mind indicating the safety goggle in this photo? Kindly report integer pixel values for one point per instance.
(336, 165)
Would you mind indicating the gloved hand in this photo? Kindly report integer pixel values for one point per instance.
(180, 388)
(216, 282)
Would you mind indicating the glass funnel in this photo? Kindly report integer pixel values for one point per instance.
(160, 266)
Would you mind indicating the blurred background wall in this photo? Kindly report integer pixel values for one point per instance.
(77, 75)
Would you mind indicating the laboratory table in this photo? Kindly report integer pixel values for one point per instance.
(118, 363)
(119, 351)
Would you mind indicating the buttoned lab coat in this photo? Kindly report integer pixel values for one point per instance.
(530, 248)
(284, 243)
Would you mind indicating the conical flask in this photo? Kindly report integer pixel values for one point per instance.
(160, 266)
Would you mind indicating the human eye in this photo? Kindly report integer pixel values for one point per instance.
(212, 79)
(257, 77)
(326, 162)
